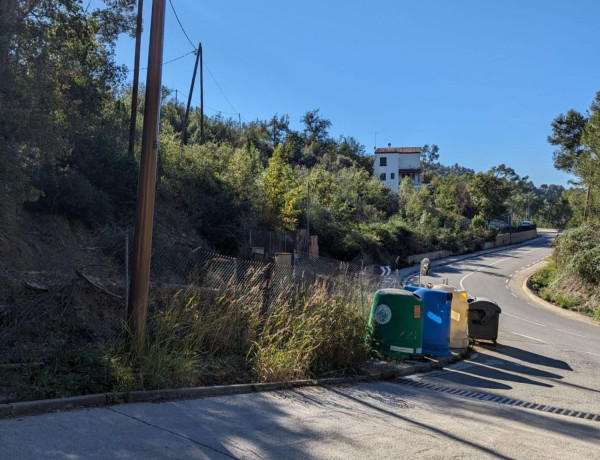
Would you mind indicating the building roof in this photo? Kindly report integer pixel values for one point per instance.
(390, 149)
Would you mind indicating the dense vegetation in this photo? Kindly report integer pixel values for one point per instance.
(572, 279)
(64, 117)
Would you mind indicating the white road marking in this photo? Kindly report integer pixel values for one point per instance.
(571, 333)
(523, 319)
(593, 354)
(479, 269)
(527, 337)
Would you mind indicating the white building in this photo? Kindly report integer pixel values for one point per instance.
(392, 164)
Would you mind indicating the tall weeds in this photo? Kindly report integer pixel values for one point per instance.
(318, 335)
(231, 338)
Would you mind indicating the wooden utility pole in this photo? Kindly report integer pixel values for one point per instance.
(142, 243)
(201, 96)
(136, 78)
(308, 217)
(189, 103)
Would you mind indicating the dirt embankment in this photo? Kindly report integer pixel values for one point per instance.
(43, 302)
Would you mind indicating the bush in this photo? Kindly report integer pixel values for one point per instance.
(69, 192)
(542, 279)
(578, 251)
(478, 221)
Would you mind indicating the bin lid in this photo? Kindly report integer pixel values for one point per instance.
(444, 287)
(396, 291)
(483, 303)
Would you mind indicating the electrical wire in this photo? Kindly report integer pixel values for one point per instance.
(180, 57)
(181, 26)
(215, 110)
(221, 89)
(170, 61)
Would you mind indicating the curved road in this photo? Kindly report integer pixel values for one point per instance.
(542, 355)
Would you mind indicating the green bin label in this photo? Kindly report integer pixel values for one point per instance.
(383, 314)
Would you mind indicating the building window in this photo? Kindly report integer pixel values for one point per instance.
(382, 161)
(392, 176)
(382, 176)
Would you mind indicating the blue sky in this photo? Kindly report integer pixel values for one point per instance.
(481, 79)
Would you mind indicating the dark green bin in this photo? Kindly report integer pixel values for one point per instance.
(396, 324)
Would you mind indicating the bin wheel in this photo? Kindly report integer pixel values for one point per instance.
(494, 341)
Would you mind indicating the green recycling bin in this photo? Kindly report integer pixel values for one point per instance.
(395, 327)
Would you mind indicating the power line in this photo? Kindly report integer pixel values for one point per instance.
(216, 110)
(181, 25)
(221, 89)
(172, 60)
(180, 57)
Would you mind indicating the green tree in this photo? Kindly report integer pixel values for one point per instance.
(488, 195)
(578, 138)
(281, 192)
(566, 134)
(59, 118)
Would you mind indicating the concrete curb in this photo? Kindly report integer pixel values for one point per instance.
(382, 370)
(520, 283)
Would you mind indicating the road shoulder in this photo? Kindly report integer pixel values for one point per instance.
(518, 286)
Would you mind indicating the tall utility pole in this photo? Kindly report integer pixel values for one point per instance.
(189, 103)
(308, 217)
(201, 95)
(136, 78)
(142, 243)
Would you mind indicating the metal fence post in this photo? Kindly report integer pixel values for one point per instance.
(362, 299)
(235, 271)
(126, 272)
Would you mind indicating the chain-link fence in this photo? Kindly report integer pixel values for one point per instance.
(46, 293)
(103, 260)
(176, 265)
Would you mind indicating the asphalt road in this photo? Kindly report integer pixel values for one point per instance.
(542, 355)
(507, 402)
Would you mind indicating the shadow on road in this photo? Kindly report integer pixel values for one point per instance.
(528, 356)
(473, 374)
(511, 366)
(467, 378)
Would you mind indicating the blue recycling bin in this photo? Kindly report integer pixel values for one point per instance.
(437, 307)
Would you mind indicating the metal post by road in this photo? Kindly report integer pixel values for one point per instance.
(142, 243)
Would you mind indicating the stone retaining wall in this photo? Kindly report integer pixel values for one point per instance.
(501, 240)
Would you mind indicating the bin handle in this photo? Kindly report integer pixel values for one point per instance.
(481, 320)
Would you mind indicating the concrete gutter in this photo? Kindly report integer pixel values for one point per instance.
(374, 370)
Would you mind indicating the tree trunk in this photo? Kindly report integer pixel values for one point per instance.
(7, 11)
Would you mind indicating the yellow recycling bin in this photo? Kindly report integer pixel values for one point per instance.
(459, 316)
